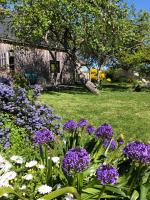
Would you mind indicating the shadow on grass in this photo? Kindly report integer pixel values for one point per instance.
(116, 87)
(67, 89)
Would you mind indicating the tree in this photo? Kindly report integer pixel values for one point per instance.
(92, 30)
(137, 51)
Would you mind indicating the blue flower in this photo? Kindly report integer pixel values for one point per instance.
(70, 125)
(83, 123)
(104, 131)
(112, 146)
(107, 174)
(75, 160)
(90, 129)
(138, 151)
(43, 136)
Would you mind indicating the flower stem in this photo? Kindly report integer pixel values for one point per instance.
(102, 191)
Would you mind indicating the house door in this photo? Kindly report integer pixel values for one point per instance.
(11, 60)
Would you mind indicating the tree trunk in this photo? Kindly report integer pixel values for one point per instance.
(87, 83)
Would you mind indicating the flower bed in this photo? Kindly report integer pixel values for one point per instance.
(41, 159)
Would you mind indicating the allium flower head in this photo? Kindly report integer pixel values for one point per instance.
(138, 151)
(112, 146)
(107, 174)
(83, 123)
(90, 129)
(104, 131)
(75, 160)
(43, 136)
(70, 125)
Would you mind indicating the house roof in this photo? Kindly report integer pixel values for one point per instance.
(8, 36)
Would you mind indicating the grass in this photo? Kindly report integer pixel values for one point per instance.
(127, 111)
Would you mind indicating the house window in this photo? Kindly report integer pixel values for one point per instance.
(3, 60)
(54, 67)
(11, 60)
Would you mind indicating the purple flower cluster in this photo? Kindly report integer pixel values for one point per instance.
(83, 123)
(4, 137)
(112, 146)
(6, 92)
(107, 174)
(5, 80)
(37, 89)
(43, 136)
(70, 125)
(75, 160)
(21, 96)
(138, 151)
(104, 131)
(90, 129)
(28, 114)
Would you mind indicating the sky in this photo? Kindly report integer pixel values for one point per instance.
(140, 4)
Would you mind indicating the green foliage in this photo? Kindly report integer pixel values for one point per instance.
(93, 30)
(20, 81)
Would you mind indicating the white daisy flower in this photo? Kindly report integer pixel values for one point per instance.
(23, 187)
(58, 186)
(28, 177)
(43, 189)
(40, 166)
(2, 159)
(69, 196)
(56, 160)
(31, 163)
(17, 159)
(8, 176)
(4, 183)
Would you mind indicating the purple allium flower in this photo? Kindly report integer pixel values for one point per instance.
(120, 141)
(83, 123)
(70, 125)
(137, 151)
(43, 136)
(112, 146)
(75, 160)
(90, 129)
(107, 174)
(104, 131)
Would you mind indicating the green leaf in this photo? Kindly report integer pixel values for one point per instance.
(135, 195)
(144, 191)
(9, 190)
(62, 191)
(113, 189)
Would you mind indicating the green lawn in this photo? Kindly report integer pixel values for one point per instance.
(128, 112)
